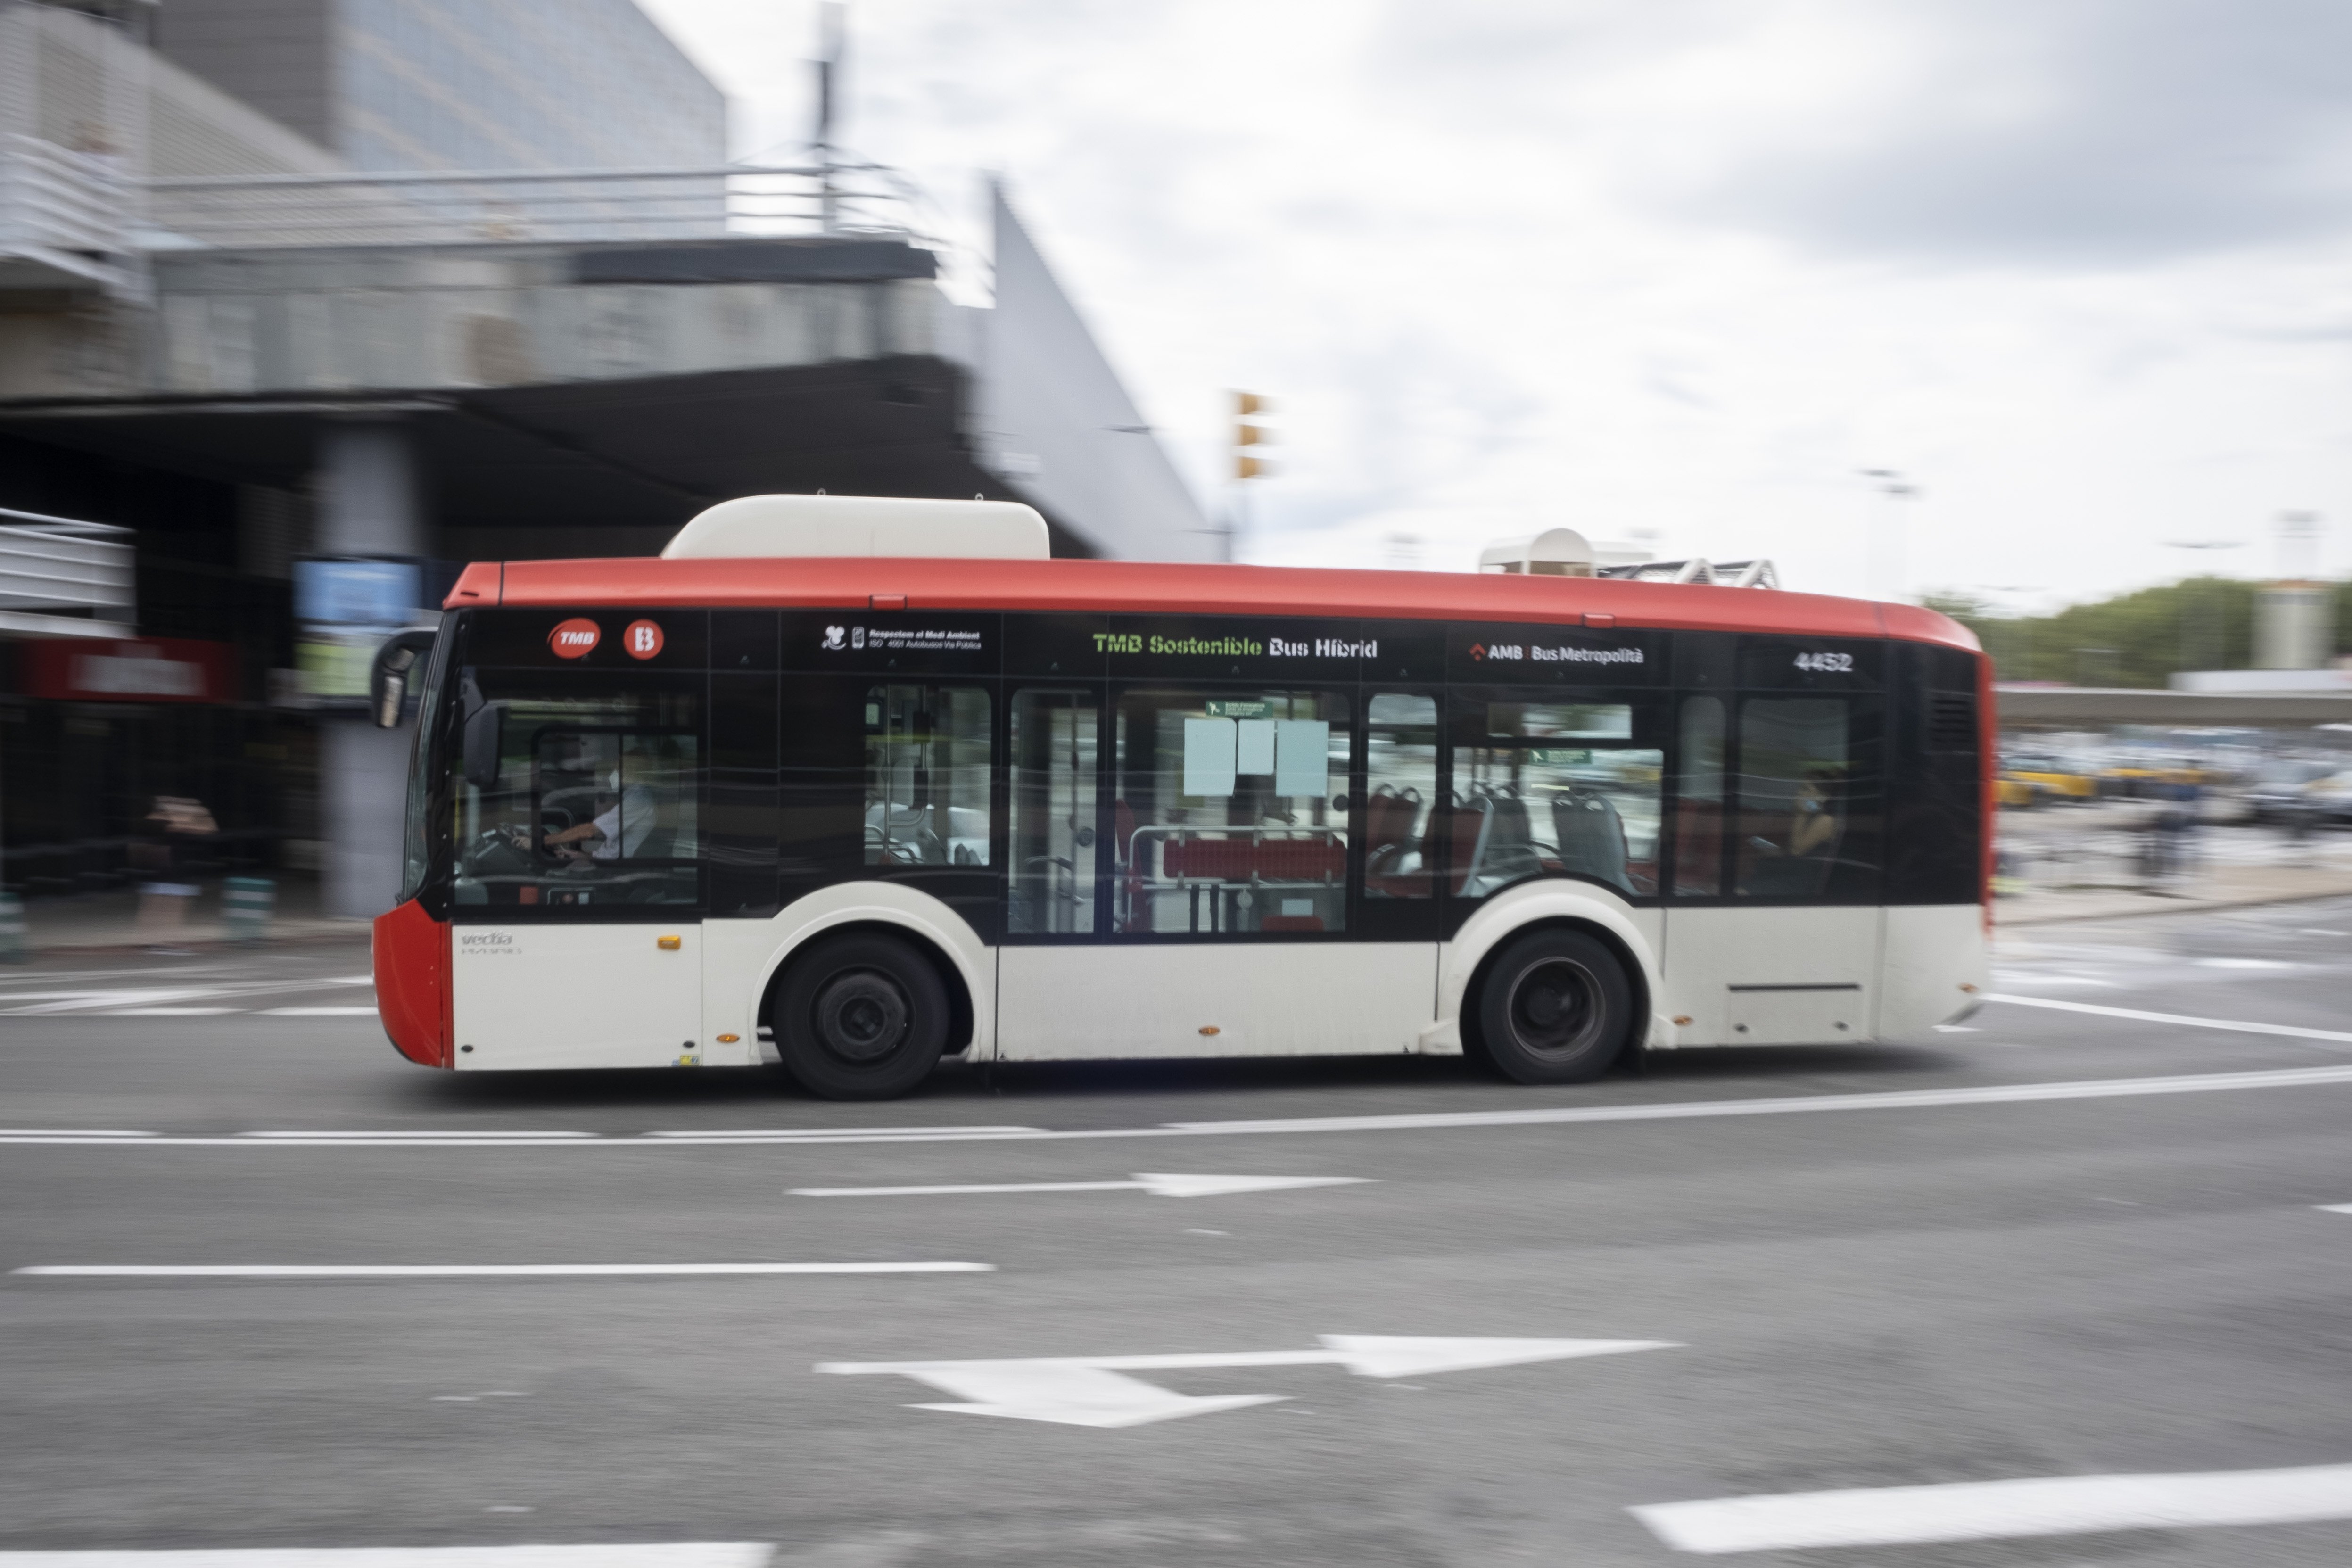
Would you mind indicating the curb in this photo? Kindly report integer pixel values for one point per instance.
(2186, 906)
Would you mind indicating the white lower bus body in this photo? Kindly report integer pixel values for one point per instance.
(692, 994)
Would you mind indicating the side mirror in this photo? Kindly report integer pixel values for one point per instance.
(484, 733)
(388, 675)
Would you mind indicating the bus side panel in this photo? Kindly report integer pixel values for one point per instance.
(605, 996)
(1213, 999)
(410, 955)
(1937, 964)
(1772, 975)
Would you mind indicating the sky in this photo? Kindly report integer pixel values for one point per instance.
(1675, 273)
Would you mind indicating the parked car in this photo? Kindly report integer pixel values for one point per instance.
(2330, 798)
(2280, 788)
(2056, 778)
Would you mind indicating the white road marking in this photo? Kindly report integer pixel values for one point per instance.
(2246, 964)
(351, 980)
(71, 1132)
(2184, 1020)
(464, 1270)
(169, 1012)
(1991, 1510)
(1088, 1391)
(662, 1554)
(1403, 1121)
(404, 1133)
(318, 1012)
(53, 1002)
(2335, 1208)
(1956, 1029)
(786, 1134)
(2316, 931)
(1160, 1186)
(2031, 979)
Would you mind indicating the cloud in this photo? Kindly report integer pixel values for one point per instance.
(2078, 266)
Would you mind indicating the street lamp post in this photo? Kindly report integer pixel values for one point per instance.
(1886, 542)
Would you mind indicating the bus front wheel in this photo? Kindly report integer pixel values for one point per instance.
(1555, 1007)
(861, 1017)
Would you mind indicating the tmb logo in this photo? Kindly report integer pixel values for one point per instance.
(576, 638)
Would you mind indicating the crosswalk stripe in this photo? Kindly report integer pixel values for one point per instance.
(1993, 1510)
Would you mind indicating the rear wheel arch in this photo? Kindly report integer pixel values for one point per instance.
(1636, 978)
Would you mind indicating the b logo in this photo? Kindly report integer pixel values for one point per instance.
(833, 635)
(642, 638)
(574, 638)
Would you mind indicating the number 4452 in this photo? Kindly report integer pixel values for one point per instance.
(1826, 663)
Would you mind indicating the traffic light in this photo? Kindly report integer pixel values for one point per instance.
(1247, 407)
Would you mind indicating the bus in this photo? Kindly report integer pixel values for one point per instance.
(848, 786)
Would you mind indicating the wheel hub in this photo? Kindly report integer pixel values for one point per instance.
(861, 1015)
(1554, 1006)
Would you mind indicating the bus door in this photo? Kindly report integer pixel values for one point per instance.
(577, 902)
(1773, 931)
(1198, 894)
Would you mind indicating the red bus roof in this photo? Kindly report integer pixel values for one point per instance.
(1135, 588)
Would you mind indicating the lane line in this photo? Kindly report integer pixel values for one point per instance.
(503, 1135)
(1990, 1510)
(1159, 1184)
(2334, 1208)
(464, 1270)
(767, 1133)
(169, 1012)
(2186, 1021)
(77, 1134)
(318, 1012)
(1407, 1121)
(659, 1554)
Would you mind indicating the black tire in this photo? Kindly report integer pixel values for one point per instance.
(861, 1017)
(1554, 1007)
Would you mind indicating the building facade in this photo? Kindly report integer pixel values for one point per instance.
(458, 84)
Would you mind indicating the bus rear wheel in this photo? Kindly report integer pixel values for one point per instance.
(1555, 1007)
(860, 1016)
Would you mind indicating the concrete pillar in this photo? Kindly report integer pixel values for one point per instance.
(371, 502)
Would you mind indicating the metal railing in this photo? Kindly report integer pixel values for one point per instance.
(525, 206)
(52, 570)
(65, 212)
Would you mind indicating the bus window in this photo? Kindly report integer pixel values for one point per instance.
(1555, 789)
(1807, 797)
(1400, 786)
(596, 797)
(1051, 881)
(927, 775)
(1229, 814)
(1698, 800)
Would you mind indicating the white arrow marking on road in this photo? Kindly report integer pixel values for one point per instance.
(1159, 1184)
(1991, 1510)
(1088, 1391)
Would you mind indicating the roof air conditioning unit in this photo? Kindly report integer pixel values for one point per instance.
(757, 526)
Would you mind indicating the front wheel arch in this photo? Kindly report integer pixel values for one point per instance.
(960, 1019)
(1636, 978)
